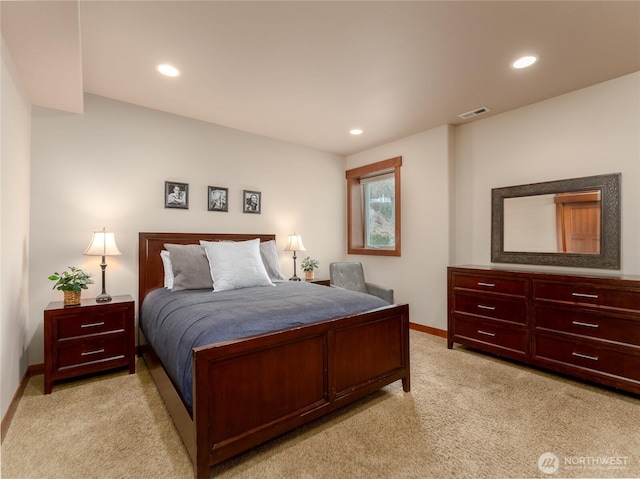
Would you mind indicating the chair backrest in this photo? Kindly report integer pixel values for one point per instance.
(348, 276)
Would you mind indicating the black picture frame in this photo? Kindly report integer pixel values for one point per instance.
(176, 195)
(218, 199)
(251, 202)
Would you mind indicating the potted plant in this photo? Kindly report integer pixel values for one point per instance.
(71, 283)
(308, 265)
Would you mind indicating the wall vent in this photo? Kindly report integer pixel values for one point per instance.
(472, 113)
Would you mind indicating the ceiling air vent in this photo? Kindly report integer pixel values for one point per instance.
(472, 113)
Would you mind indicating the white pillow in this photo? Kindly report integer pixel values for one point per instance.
(270, 260)
(168, 270)
(236, 265)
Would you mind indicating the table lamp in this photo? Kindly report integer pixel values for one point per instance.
(294, 244)
(103, 243)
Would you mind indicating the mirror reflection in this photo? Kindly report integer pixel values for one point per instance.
(573, 222)
(566, 222)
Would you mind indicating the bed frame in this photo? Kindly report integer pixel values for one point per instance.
(269, 384)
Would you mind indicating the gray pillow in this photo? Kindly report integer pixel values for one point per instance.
(269, 255)
(190, 267)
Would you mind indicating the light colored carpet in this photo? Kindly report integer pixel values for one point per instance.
(468, 415)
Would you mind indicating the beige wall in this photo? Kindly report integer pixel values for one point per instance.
(448, 174)
(108, 166)
(14, 229)
(419, 276)
(591, 131)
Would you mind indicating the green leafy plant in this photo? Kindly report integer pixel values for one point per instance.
(72, 280)
(309, 264)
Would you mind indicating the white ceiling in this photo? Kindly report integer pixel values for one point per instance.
(308, 72)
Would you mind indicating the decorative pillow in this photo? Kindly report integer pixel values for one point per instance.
(270, 260)
(190, 267)
(236, 265)
(168, 271)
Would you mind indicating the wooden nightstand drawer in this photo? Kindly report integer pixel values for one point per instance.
(88, 338)
(92, 351)
(75, 325)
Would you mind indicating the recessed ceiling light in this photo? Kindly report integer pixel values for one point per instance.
(168, 70)
(356, 131)
(524, 62)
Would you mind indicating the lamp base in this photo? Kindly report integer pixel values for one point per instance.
(103, 298)
(294, 278)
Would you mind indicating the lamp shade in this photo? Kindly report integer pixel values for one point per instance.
(103, 243)
(295, 243)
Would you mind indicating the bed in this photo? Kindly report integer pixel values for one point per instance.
(248, 390)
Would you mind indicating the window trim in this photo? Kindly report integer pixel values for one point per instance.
(355, 215)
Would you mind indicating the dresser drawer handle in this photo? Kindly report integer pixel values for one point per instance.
(89, 353)
(486, 333)
(488, 308)
(588, 325)
(585, 356)
(92, 325)
(582, 295)
(488, 285)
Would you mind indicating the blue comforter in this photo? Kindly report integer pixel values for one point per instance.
(176, 322)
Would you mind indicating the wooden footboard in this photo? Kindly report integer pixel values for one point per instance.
(271, 384)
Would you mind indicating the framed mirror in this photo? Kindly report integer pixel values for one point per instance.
(573, 222)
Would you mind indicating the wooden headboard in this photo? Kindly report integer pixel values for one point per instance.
(150, 270)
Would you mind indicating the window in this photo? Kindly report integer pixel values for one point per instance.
(373, 208)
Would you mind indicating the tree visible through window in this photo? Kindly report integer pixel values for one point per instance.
(379, 198)
(373, 203)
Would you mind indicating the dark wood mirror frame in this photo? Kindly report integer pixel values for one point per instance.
(609, 256)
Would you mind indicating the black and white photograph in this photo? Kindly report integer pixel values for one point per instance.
(252, 201)
(176, 195)
(218, 198)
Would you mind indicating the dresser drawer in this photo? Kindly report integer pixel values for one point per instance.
(590, 323)
(495, 334)
(91, 351)
(487, 283)
(585, 293)
(75, 325)
(587, 355)
(491, 306)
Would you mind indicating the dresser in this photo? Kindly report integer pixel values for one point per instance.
(586, 326)
(88, 338)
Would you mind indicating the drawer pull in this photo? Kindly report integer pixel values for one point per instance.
(89, 353)
(585, 356)
(92, 325)
(588, 325)
(583, 295)
(486, 333)
(488, 285)
(488, 308)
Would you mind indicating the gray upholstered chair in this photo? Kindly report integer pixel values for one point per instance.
(351, 276)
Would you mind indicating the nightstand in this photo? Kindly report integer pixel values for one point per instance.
(88, 338)
(323, 282)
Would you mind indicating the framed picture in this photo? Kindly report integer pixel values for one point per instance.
(217, 199)
(252, 201)
(176, 195)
